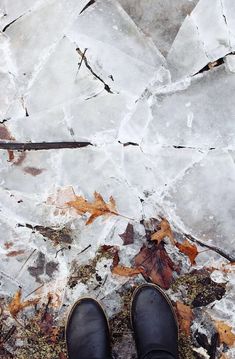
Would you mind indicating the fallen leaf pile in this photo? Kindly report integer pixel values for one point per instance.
(190, 250)
(16, 305)
(153, 261)
(96, 208)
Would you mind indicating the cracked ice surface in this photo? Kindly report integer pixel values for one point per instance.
(99, 76)
(204, 43)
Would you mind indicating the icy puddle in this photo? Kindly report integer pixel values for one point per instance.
(123, 114)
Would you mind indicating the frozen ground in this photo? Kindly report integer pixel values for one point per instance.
(149, 86)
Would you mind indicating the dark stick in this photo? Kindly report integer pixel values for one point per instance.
(16, 146)
(85, 249)
(9, 334)
(83, 55)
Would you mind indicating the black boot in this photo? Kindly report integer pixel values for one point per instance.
(154, 323)
(87, 331)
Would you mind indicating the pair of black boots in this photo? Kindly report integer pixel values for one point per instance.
(153, 320)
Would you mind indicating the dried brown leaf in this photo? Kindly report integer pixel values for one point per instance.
(157, 265)
(11, 155)
(126, 271)
(96, 208)
(6, 135)
(223, 356)
(164, 231)
(185, 317)
(15, 253)
(188, 249)
(16, 305)
(128, 235)
(225, 333)
(118, 269)
(8, 245)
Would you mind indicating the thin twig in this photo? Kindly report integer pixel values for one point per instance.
(85, 249)
(59, 250)
(8, 335)
(80, 63)
(46, 308)
(106, 86)
(26, 262)
(34, 290)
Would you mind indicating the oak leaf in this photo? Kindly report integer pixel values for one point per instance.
(164, 231)
(185, 316)
(96, 208)
(126, 271)
(128, 235)
(157, 265)
(188, 249)
(225, 333)
(16, 305)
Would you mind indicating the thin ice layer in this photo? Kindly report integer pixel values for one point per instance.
(211, 34)
(198, 116)
(203, 200)
(159, 20)
(119, 31)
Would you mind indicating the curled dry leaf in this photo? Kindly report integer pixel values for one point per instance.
(188, 249)
(185, 317)
(16, 305)
(118, 269)
(128, 235)
(225, 333)
(126, 271)
(164, 231)
(96, 208)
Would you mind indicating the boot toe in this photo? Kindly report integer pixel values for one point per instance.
(154, 322)
(87, 331)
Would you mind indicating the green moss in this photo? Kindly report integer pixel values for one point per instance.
(185, 347)
(120, 323)
(199, 287)
(82, 273)
(39, 338)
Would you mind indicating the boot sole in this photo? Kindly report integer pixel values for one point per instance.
(71, 312)
(164, 295)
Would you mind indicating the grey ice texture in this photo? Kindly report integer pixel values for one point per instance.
(121, 72)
